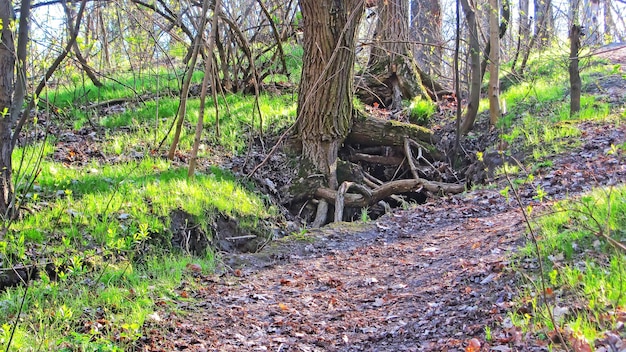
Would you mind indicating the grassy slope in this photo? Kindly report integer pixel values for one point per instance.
(584, 272)
(105, 222)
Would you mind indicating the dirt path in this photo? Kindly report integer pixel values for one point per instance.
(425, 279)
(431, 278)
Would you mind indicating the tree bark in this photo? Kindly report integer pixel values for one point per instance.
(592, 22)
(391, 72)
(69, 13)
(544, 23)
(426, 30)
(494, 62)
(476, 77)
(184, 93)
(7, 87)
(574, 74)
(523, 30)
(504, 23)
(373, 131)
(208, 74)
(325, 111)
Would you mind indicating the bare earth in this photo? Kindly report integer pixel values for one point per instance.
(431, 278)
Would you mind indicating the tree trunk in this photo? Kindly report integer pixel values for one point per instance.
(592, 21)
(574, 74)
(69, 13)
(209, 72)
(544, 23)
(523, 31)
(373, 131)
(494, 62)
(426, 30)
(7, 81)
(391, 73)
(504, 23)
(611, 31)
(184, 92)
(325, 109)
(476, 78)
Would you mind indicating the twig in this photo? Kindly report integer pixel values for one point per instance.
(19, 312)
(535, 242)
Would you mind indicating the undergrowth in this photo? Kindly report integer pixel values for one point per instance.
(574, 262)
(584, 268)
(96, 219)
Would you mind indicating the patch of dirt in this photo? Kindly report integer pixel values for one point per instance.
(615, 53)
(187, 234)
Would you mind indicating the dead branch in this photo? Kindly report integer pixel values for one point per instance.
(341, 193)
(376, 159)
(388, 189)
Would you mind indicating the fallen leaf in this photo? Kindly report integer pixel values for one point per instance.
(581, 345)
(196, 268)
(473, 345)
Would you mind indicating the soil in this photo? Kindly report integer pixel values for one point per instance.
(435, 277)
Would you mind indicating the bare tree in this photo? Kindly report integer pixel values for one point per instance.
(494, 61)
(523, 32)
(476, 76)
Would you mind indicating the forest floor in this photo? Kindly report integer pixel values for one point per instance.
(435, 277)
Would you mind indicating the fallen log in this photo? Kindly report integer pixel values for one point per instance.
(374, 131)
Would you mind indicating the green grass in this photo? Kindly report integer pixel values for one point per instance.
(420, 111)
(104, 310)
(538, 116)
(105, 224)
(107, 228)
(583, 270)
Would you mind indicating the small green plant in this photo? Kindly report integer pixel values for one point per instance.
(580, 241)
(420, 111)
(488, 336)
(365, 217)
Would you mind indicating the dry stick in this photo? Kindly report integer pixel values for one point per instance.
(341, 194)
(320, 215)
(535, 241)
(374, 183)
(420, 155)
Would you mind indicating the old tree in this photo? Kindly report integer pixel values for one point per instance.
(328, 125)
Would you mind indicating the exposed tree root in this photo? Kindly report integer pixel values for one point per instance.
(339, 199)
(388, 189)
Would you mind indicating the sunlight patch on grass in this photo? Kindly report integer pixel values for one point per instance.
(583, 270)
